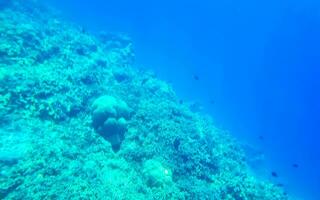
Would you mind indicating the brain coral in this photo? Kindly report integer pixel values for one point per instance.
(109, 119)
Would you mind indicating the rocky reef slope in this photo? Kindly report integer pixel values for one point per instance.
(79, 121)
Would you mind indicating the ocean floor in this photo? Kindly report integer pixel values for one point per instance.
(80, 121)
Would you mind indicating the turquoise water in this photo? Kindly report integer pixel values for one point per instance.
(228, 110)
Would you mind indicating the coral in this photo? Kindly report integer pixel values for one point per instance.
(156, 174)
(109, 118)
(59, 122)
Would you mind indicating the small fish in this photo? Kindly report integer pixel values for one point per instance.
(196, 77)
(180, 101)
(176, 143)
(274, 174)
(261, 137)
(295, 165)
(211, 101)
(83, 30)
(280, 185)
(144, 81)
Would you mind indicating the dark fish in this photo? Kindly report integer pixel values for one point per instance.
(196, 77)
(211, 101)
(176, 144)
(180, 101)
(295, 165)
(144, 81)
(274, 174)
(83, 30)
(261, 137)
(280, 185)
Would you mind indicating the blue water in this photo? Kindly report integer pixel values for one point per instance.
(258, 65)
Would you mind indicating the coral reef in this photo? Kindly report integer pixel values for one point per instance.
(155, 174)
(80, 121)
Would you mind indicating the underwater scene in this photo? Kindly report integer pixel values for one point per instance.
(157, 100)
